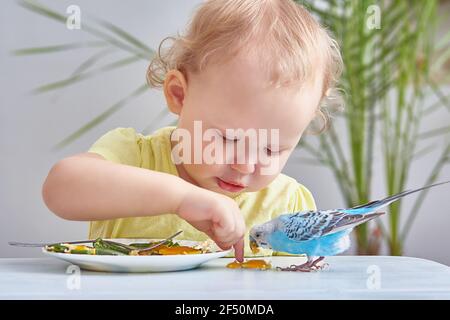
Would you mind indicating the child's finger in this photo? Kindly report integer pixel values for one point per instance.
(225, 230)
(239, 250)
(222, 245)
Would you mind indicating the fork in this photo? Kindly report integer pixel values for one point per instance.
(139, 251)
(40, 245)
(159, 243)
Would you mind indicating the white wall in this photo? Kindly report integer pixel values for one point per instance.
(32, 124)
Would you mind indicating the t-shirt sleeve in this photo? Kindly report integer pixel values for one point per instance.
(120, 145)
(302, 199)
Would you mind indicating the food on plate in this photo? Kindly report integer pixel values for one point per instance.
(108, 247)
(166, 250)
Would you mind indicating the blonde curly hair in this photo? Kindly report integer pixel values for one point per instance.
(286, 38)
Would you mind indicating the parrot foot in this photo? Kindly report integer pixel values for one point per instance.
(310, 265)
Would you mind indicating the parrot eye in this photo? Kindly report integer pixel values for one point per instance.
(257, 235)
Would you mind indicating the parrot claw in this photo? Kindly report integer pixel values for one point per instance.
(309, 266)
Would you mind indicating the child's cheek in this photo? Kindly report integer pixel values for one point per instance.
(271, 166)
(212, 170)
(259, 182)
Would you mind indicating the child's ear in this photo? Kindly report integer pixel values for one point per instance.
(175, 87)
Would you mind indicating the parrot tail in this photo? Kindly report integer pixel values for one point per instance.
(377, 204)
(352, 220)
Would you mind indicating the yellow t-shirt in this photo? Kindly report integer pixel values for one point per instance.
(153, 152)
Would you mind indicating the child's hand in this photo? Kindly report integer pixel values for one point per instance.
(216, 215)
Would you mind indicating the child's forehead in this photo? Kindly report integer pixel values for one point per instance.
(249, 71)
(239, 87)
(241, 64)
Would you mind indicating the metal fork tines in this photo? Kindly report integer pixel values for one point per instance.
(160, 243)
(39, 245)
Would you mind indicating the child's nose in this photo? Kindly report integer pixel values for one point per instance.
(246, 168)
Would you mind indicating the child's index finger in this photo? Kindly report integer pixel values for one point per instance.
(239, 250)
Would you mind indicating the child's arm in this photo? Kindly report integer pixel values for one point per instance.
(88, 187)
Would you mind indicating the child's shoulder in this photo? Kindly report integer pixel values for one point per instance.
(286, 184)
(131, 133)
(127, 146)
(298, 196)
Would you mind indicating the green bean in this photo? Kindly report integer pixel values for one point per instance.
(83, 251)
(110, 248)
(57, 248)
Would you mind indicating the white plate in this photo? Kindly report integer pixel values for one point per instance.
(139, 263)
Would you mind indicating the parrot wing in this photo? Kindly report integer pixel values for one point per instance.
(303, 226)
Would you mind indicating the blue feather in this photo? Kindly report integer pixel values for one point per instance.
(329, 245)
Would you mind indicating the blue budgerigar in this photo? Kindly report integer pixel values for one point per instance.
(318, 233)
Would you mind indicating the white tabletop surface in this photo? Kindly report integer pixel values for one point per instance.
(347, 277)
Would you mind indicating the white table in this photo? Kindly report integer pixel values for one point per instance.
(347, 277)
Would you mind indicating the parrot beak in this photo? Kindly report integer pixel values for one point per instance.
(253, 245)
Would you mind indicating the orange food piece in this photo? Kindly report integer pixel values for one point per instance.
(234, 265)
(250, 264)
(80, 247)
(164, 250)
(256, 264)
(254, 247)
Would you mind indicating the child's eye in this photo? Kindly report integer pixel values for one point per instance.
(228, 139)
(271, 152)
(225, 138)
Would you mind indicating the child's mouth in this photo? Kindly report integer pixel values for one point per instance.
(230, 186)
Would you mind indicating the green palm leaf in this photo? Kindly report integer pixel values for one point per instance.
(83, 76)
(58, 48)
(102, 117)
(381, 68)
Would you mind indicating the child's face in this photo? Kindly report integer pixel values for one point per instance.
(234, 96)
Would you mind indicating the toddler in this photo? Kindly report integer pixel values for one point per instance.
(245, 80)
